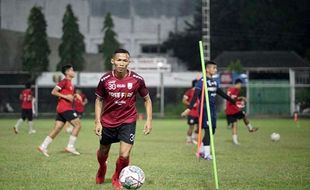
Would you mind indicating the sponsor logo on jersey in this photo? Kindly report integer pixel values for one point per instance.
(111, 85)
(120, 102)
(120, 94)
(129, 85)
(121, 86)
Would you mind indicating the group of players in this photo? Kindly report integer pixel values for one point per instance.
(233, 111)
(116, 113)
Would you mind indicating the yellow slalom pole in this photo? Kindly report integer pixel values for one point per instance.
(208, 113)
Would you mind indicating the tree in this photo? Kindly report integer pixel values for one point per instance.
(110, 43)
(35, 46)
(235, 66)
(72, 47)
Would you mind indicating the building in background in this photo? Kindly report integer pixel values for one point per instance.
(141, 25)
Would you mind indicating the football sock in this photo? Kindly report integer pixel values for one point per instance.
(120, 164)
(194, 135)
(100, 177)
(18, 123)
(188, 139)
(206, 150)
(201, 148)
(249, 126)
(30, 124)
(72, 140)
(46, 142)
(235, 139)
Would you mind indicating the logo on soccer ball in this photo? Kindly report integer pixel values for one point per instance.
(129, 85)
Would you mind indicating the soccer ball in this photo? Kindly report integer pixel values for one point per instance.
(132, 177)
(275, 137)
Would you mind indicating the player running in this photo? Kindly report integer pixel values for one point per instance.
(64, 91)
(192, 118)
(233, 111)
(213, 90)
(27, 101)
(116, 113)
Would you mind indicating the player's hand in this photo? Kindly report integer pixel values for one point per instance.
(185, 112)
(147, 127)
(69, 97)
(98, 128)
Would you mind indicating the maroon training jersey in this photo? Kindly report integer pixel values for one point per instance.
(66, 87)
(26, 98)
(232, 108)
(119, 98)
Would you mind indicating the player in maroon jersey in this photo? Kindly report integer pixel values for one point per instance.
(26, 98)
(192, 117)
(64, 90)
(234, 111)
(116, 113)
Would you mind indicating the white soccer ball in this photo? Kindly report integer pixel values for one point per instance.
(275, 137)
(132, 177)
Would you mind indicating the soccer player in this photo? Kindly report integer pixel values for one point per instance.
(79, 102)
(233, 112)
(213, 90)
(116, 113)
(192, 118)
(26, 98)
(64, 91)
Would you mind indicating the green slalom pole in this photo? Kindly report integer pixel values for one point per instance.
(202, 59)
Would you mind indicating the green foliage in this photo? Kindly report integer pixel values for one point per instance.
(110, 43)
(35, 46)
(72, 47)
(168, 163)
(235, 66)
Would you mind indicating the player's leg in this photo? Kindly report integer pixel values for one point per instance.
(195, 133)
(48, 140)
(102, 156)
(189, 134)
(234, 133)
(30, 123)
(205, 149)
(248, 124)
(73, 137)
(19, 121)
(126, 135)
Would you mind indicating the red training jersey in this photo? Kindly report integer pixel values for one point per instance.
(78, 104)
(189, 94)
(119, 98)
(232, 108)
(26, 99)
(66, 87)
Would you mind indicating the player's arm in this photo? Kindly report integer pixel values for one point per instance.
(149, 114)
(56, 92)
(192, 103)
(185, 100)
(98, 111)
(225, 96)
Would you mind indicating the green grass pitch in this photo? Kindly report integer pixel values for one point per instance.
(169, 164)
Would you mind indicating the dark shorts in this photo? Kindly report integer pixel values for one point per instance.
(192, 120)
(79, 114)
(125, 133)
(234, 117)
(27, 114)
(66, 116)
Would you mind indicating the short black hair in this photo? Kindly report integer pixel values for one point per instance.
(27, 85)
(65, 68)
(120, 50)
(238, 81)
(211, 63)
(194, 83)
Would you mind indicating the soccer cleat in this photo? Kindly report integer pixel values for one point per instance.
(208, 157)
(253, 130)
(32, 131)
(15, 130)
(43, 151)
(116, 183)
(189, 142)
(72, 150)
(236, 143)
